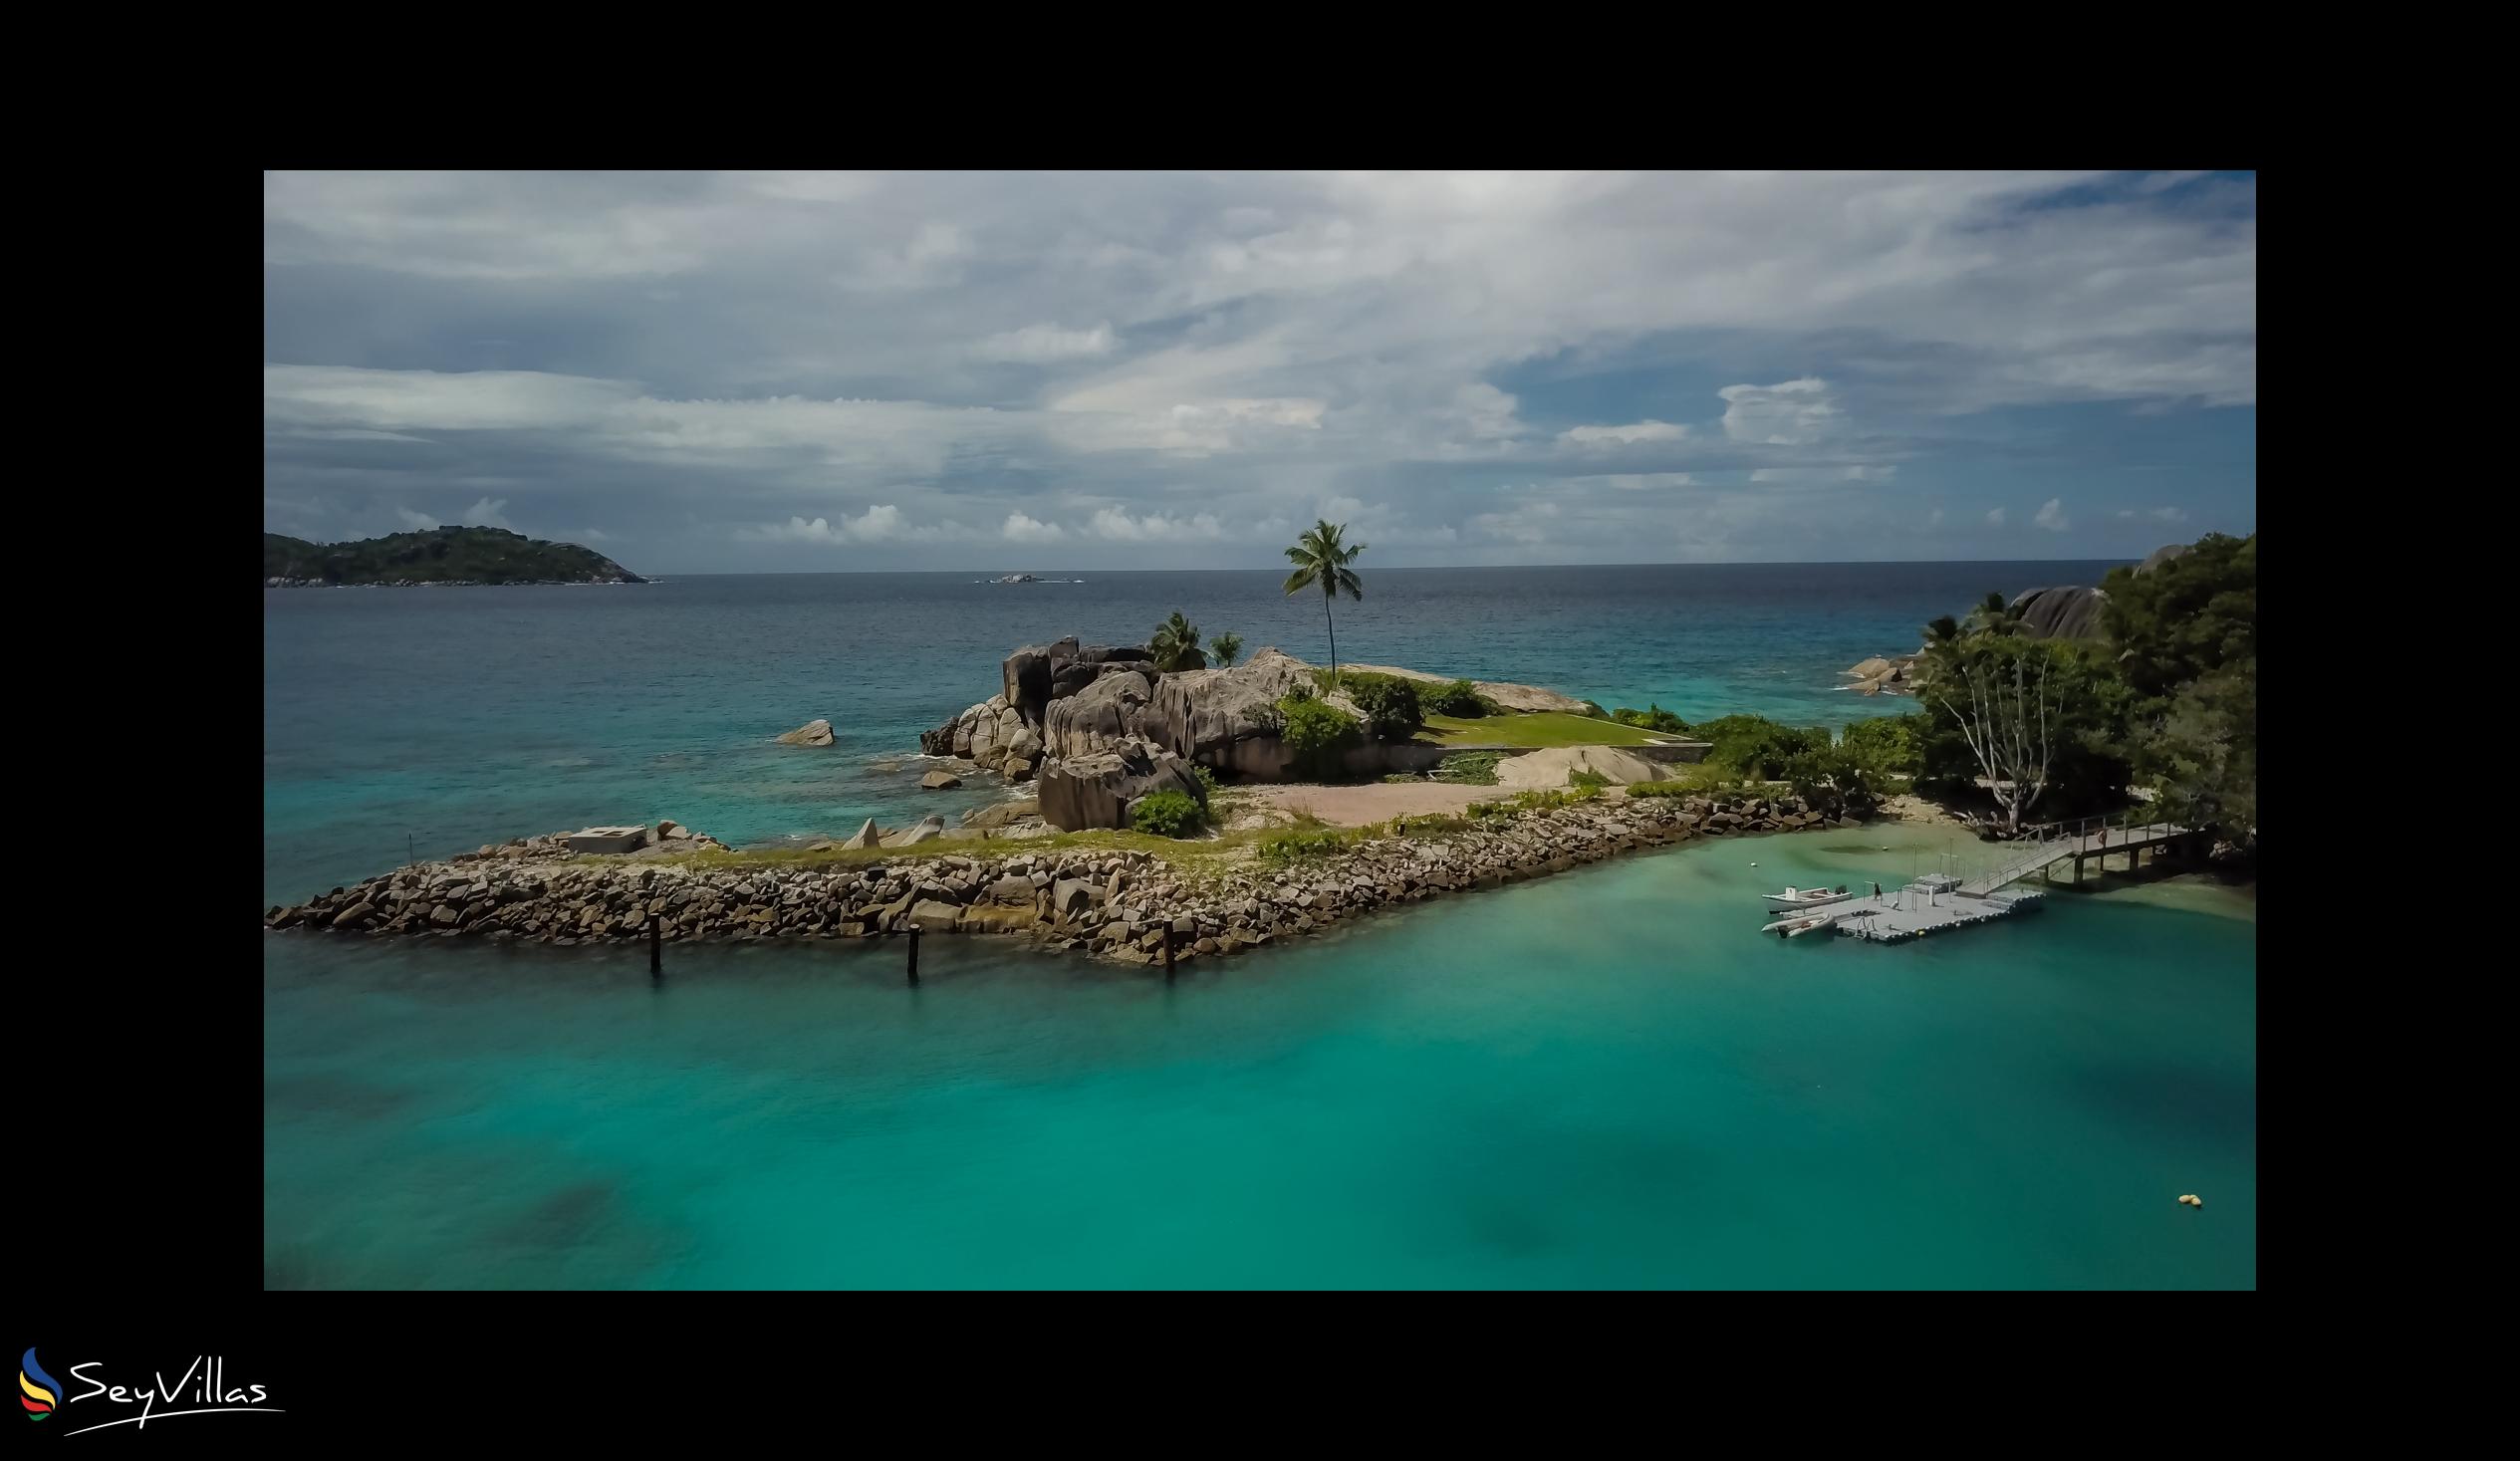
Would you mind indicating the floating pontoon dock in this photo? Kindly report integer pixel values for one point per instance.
(1940, 900)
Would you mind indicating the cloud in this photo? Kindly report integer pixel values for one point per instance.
(2050, 515)
(1022, 529)
(1115, 526)
(418, 521)
(877, 524)
(1788, 413)
(1934, 518)
(1045, 344)
(1597, 437)
(2170, 514)
(703, 352)
(1995, 517)
(1800, 475)
(486, 514)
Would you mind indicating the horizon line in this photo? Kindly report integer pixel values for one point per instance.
(1398, 567)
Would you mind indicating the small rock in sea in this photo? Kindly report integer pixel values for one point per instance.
(937, 781)
(812, 733)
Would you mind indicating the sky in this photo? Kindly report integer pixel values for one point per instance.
(795, 373)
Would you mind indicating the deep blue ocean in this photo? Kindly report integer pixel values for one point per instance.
(1603, 1079)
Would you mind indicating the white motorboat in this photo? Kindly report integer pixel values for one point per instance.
(1805, 897)
(1808, 923)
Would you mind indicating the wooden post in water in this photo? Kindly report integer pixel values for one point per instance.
(913, 956)
(656, 945)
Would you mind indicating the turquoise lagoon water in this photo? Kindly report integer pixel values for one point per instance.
(1606, 1078)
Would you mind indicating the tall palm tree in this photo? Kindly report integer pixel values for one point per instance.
(1226, 648)
(1175, 645)
(1320, 558)
(1943, 630)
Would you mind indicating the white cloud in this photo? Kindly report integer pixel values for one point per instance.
(1597, 438)
(1044, 343)
(1022, 529)
(797, 530)
(1482, 412)
(486, 514)
(1296, 336)
(1788, 413)
(2170, 514)
(1995, 517)
(2051, 516)
(877, 524)
(1113, 525)
(418, 521)
(1807, 475)
(1934, 518)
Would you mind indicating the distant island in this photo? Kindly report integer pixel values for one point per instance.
(445, 556)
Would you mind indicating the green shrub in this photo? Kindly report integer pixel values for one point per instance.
(1429, 824)
(1652, 718)
(1390, 703)
(1593, 709)
(1662, 789)
(1315, 734)
(1753, 745)
(1167, 813)
(1470, 768)
(1322, 843)
(1888, 745)
(1460, 698)
(1206, 777)
(1579, 777)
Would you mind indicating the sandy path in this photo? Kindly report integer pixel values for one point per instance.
(1373, 801)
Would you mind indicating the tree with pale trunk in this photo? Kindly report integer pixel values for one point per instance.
(2013, 714)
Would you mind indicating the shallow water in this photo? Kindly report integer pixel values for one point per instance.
(1603, 1078)
(402, 722)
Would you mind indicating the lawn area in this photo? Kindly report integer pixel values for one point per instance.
(1544, 729)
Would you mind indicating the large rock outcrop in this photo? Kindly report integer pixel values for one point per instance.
(1098, 790)
(1504, 692)
(1101, 717)
(1227, 718)
(1027, 673)
(2062, 613)
(2160, 556)
(1544, 769)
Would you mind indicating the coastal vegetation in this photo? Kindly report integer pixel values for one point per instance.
(1390, 704)
(1321, 557)
(2166, 698)
(1316, 734)
(1174, 645)
(1225, 650)
(1457, 698)
(1542, 729)
(449, 555)
(1168, 814)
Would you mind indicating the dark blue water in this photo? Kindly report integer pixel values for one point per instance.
(441, 719)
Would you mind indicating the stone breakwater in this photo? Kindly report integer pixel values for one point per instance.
(1120, 906)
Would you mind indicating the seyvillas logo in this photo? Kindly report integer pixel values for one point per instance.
(204, 1382)
(43, 1391)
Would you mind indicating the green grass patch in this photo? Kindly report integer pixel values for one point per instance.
(1470, 768)
(1541, 729)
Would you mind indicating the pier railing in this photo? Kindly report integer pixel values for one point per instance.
(2046, 841)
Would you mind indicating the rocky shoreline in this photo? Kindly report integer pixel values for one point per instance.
(1120, 906)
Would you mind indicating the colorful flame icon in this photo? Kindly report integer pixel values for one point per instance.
(42, 1391)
